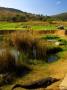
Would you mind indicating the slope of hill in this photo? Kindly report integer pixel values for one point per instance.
(10, 14)
(62, 16)
(15, 15)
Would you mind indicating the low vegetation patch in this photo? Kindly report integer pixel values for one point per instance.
(50, 37)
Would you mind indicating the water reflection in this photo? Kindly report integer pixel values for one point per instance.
(52, 58)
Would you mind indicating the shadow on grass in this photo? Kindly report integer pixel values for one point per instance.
(21, 71)
(10, 77)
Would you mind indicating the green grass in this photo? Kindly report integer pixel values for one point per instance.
(21, 25)
(50, 37)
(9, 26)
(28, 26)
(45, 27)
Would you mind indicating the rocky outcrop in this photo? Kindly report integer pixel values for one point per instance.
(61, 27)
(43, 83)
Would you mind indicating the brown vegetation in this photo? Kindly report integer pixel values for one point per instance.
(32, 45)
(7, 61)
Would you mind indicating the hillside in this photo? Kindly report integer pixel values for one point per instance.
(62, 16)
(10, 14)
(15, 15)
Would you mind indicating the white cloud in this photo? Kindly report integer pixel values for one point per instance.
(58, 2)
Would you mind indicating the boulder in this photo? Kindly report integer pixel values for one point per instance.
(60, 27)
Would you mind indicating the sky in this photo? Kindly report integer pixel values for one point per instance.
(45, 7)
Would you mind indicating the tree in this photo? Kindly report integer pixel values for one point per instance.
(19, 18)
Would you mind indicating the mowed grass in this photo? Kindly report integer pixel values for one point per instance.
(30, 25)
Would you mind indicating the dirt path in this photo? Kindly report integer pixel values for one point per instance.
(63, 84)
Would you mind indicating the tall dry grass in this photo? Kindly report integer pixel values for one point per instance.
(23, 40)
(7, 61)
(31, 45)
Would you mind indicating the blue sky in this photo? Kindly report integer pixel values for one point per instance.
(45, 7)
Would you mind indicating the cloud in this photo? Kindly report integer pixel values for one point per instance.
(58, 2)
